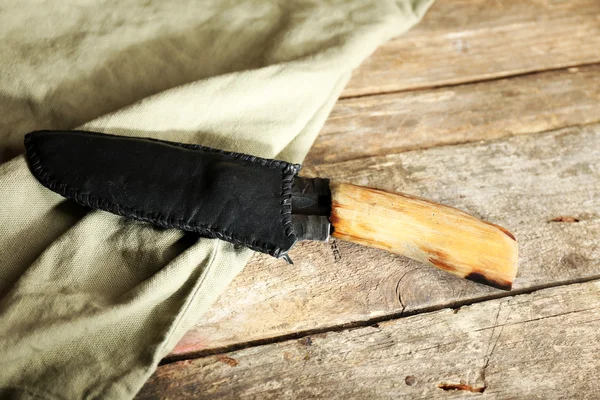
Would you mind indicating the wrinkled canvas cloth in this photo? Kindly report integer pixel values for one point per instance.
(90, 302)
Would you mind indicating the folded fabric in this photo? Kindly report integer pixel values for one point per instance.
(90, 301)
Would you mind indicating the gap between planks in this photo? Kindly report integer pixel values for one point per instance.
(498, 77)
(393, 123)
(373, 321)
(462, 41)
(536, 345)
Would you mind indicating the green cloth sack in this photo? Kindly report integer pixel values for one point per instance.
(91, 302)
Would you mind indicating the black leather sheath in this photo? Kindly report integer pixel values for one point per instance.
(239, 198)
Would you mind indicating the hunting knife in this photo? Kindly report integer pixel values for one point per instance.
(261, 203)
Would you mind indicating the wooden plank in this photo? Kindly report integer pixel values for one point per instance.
(462, 41)
(542, 345)
(387, 124)
(523, 183)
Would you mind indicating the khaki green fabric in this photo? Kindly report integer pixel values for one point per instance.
(90, 302)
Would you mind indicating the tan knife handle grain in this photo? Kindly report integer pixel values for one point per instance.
(432, 233)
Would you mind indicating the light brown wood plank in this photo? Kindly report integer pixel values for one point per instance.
(387, 124)
(542, 345)
(522, 183)
(471, 40)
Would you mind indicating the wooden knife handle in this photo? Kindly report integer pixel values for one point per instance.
(442, 236)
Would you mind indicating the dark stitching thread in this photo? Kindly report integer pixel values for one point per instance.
(288, 171)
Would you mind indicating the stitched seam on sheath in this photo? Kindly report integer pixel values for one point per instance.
(286, 204)
(288, 171)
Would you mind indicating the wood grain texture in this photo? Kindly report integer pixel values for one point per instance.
(522, 183)
(387, 124)
(543, 188)
(462, 41)
(431, 233)
(542, 345)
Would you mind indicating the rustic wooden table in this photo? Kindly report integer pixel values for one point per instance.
(489, 106)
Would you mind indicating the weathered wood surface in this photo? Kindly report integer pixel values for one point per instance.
(471, 40)
(387, 124)
(522, 183)
(542, 345)
(543, 187)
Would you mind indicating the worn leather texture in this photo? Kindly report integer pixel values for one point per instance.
(235, 197)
